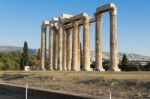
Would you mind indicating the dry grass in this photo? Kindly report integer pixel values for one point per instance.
(109, 75)
(120, 84)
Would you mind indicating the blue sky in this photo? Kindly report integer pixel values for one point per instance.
(20, 20)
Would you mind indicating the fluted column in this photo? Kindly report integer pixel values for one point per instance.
(113, 41)
(98, 55)
(75, 47)
(51, 45)
(60, 39)
(64, 50)
(55, 56)
(86, 45)
(43, 47)
(68, 51)
(79, 47)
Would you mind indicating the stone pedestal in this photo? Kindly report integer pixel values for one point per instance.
(86, 45)
(98, 54)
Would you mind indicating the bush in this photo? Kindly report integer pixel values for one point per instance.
(11, 60)
(106, 64)
(132, 66)
(147, 66)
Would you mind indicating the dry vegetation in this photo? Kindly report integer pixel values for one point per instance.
(121, 85)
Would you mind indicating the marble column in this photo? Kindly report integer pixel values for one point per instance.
(79, 47)
(55, 56)
(64, 50)
(75, 66)
(60, 39)
(51, 45)
(68, 51)
(43, 47)
(86, 45)
(113, 41)
(98, 54)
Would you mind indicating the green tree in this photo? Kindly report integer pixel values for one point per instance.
(106, 64)
(133, 66)
(25, 56)
(22, 63)
(124, 62)
(39, 54)
(25, 51)
(147, 66)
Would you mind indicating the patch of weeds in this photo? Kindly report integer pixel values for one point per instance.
(65, 73)
(55, 86)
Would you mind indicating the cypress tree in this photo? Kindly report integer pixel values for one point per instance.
(22, 63)
(24, 56)
(124, 62)
(25, 52)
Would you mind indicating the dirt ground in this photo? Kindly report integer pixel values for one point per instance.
(130, 85)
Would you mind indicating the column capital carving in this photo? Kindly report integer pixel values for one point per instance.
(113, 11)
(86, 18)
(75, 23)
(98, 15)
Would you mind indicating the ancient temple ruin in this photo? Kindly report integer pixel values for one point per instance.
(60, 55)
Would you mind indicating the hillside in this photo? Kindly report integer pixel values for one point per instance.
(131, 56)
(14, 48)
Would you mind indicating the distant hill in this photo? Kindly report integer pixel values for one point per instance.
(14, 48)
(131, 56)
